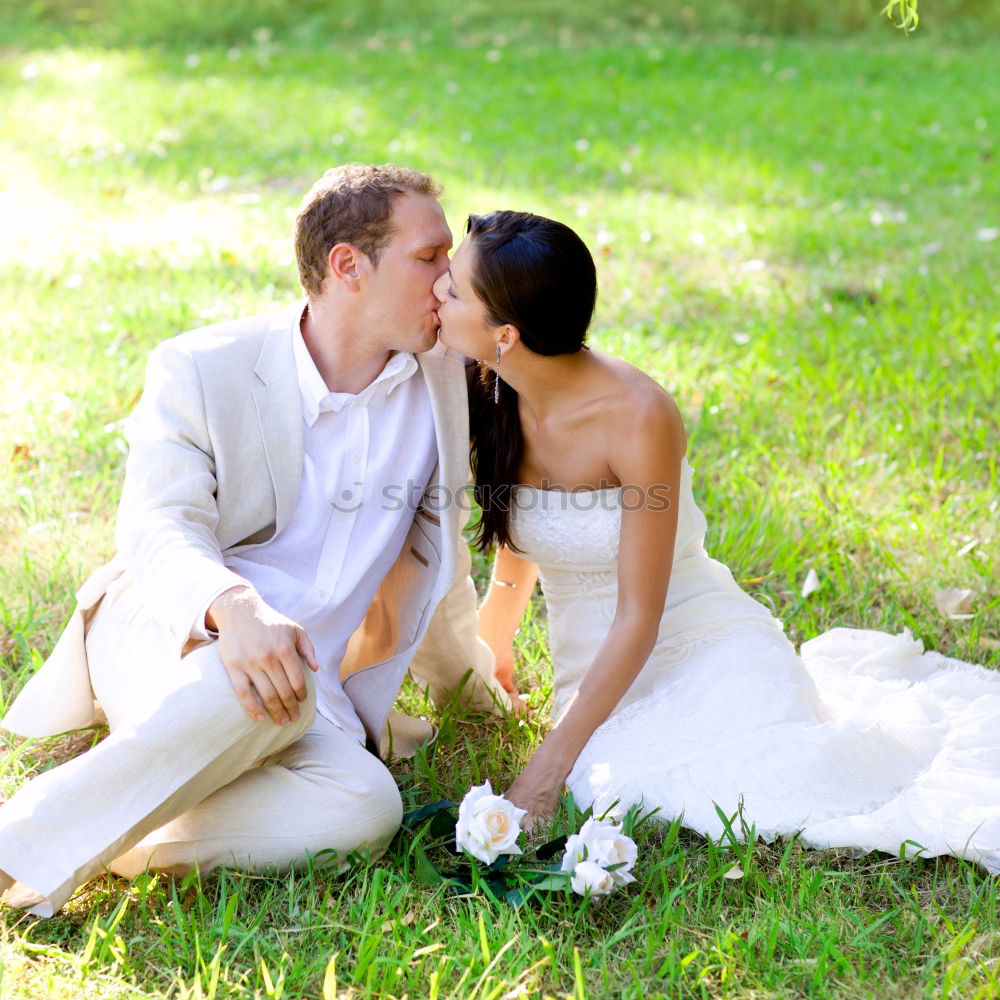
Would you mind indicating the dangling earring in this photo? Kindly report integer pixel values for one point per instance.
(496, 384)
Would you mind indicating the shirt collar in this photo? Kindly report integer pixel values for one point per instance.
(317, 398)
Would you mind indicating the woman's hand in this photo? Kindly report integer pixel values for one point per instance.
(538, 788)
(503, 669)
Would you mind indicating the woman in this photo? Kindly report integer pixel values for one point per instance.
(672, 686)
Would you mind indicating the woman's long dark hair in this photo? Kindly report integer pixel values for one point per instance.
(537, 275)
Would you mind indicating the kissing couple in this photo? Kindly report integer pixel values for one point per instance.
(248, 639)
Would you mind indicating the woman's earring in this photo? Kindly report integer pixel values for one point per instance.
(496, 384)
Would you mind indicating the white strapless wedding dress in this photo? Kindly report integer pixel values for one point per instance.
(863, 741)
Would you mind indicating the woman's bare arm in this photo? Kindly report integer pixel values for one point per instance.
(510, 590)
(648, 466)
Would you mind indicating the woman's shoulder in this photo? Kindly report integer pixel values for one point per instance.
(635, 396)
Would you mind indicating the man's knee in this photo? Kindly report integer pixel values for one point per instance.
(365, 820)
(210, 697)
(381, 810)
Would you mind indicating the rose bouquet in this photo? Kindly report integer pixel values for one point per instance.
(593, 861)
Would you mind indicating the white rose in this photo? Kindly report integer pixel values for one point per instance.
(590, 876)
(488, 825)
(603, 843)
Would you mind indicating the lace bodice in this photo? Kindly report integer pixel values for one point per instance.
(559, 529)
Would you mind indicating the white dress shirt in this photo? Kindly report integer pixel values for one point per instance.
(368, 459)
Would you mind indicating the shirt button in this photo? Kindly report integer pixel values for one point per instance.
(355, 459)
(323, 595)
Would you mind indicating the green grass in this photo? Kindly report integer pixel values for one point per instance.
(476, 22)
(791, 236)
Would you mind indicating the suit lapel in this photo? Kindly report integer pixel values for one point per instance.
(278, 402)
(446, 387)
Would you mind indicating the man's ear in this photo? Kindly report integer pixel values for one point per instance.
(345, 264)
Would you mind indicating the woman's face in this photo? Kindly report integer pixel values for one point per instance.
(464, 326)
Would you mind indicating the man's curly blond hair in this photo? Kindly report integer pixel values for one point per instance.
(351, 204)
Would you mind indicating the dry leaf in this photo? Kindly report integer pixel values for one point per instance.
(811, 583)
(954, 601)
(735, 873)
(404, 921)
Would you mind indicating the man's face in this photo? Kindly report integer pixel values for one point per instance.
(402, 307)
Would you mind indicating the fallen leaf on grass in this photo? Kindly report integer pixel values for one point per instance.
(954, 602)
(735, 873)
(404, 921)
(811, 584)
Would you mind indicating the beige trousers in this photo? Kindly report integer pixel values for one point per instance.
(186, 778)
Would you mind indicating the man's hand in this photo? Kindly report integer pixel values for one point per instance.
(263, 652)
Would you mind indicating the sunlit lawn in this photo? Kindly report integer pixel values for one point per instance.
(799, 239)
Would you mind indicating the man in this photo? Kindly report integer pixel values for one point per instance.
(270, 587)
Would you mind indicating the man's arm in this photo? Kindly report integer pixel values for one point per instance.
(167, 533)
(167, 516)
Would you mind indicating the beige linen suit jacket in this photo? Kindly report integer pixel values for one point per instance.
(215, 461)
